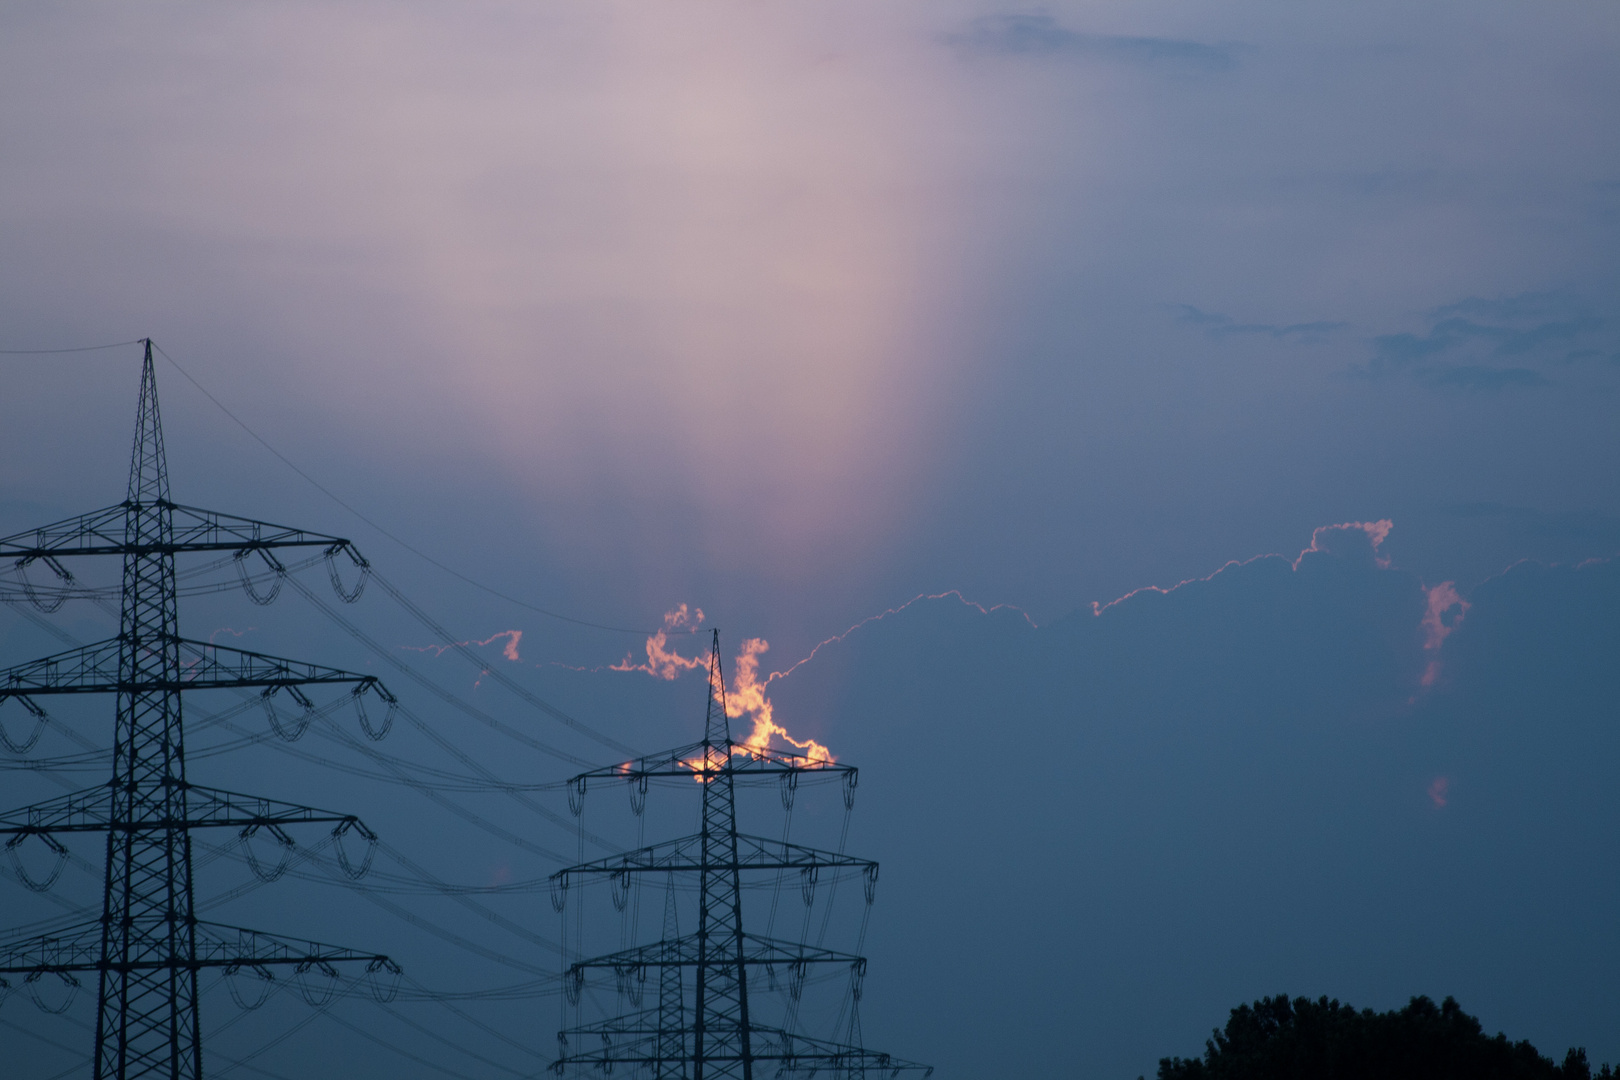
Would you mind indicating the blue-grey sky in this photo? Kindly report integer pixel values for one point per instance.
(796, 313)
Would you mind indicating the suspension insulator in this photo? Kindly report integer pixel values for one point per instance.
(857, 976)
(40, 720)
(870, 883)
(637, 985)
(355, 872)
(851, 779)
(576, 795)
(807, 883)
(620, 881)
(574, 984)
(380, 732)
(559, 891)
(32, 982)
(277, 572)
(348, 596)
(383, 976)
(796, 973)
(60, 592)
(284, 841)
(790, 785)
(22, 872)
(288, 732)
(233, 980)
(638, 795)
(317, 997)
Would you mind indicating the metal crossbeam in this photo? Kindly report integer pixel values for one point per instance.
(630, 1040)
(92, 810)
(102, 533)
(695, 761)
(96, 669)
(752, 853)
(218, 945)
(683, 952)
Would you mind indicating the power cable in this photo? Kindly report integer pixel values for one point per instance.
(323, 489)
(401, 1051)
(54, 352)
(453, 1044)
(512, 686)
(427, 684)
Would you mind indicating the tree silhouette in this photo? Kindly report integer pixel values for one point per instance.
(1281, 1039)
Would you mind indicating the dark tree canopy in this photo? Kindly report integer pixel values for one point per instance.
(1281, 1039)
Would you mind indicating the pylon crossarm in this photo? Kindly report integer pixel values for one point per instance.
(694, 761)
(683, 952)
(101, 532)
(91, 811)
(75, 949)
(94, 669)
(642, 1022)
(218, 945)
(633, 1039)
(753, 853)
(81, 811)
(211, 807)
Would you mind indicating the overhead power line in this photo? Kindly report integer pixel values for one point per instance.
(330, 494)
(57, 352)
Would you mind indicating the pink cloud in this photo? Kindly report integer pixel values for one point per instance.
(1321, 542)
(1375, 531)
(510, 650)
(1438, 623)
(1442, 599)
(1440, 791)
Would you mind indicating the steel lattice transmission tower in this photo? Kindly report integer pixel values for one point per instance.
(148, 946)
(711, 1034)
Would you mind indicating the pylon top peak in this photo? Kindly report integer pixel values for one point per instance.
(717, 726)
(148, 466)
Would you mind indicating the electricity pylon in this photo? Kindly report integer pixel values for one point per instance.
(148, 946)
(714, 1036)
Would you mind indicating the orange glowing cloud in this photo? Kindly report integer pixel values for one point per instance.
(662, 661)
(746, 698)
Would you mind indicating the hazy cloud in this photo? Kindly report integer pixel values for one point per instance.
(1461, 340)
(1042, 35)
(1221, 326)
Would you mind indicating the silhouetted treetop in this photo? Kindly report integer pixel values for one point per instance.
(1299, 1039)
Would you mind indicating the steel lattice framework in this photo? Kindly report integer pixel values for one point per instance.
(148, 946)
(713, 1036)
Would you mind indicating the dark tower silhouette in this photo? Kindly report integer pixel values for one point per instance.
(671, 1063)
(713, 1034)
(148, 946)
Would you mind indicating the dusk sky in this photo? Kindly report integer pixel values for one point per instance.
(794, 313)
